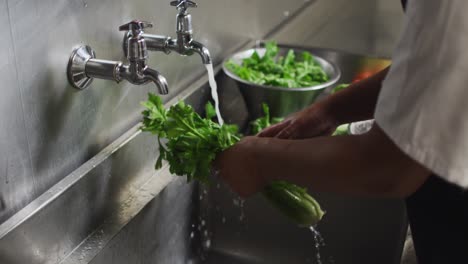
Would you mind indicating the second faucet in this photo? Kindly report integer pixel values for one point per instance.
(184, 44)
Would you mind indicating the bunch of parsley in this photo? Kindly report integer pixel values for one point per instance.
(192, 142)
(288, 71)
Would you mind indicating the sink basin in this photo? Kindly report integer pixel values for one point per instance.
(193, 224)
(116, 209)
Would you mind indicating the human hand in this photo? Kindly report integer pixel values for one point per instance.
(311, 122)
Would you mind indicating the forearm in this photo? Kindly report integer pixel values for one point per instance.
(357, 165)
(357, 102)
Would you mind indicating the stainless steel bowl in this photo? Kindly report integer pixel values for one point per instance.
(281, 100)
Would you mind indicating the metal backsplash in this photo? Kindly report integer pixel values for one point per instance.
(48, 129)
(367, 27)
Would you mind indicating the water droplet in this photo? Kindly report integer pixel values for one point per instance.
(223, 220)
(208, 243)
(192, 235)
(286, 13)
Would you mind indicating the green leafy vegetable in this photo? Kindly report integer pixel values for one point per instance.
(339, 88)
(193, 143)
(288, 71)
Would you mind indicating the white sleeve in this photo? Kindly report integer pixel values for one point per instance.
(423, 105)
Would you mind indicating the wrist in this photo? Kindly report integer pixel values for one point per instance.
(327, 113)
(263, 156)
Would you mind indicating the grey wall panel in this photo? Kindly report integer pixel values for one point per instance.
(16, 178)
(64, 127)
(369, 27)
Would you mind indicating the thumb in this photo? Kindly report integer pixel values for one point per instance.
(273, 130)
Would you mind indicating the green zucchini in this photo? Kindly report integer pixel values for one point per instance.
(294, 202)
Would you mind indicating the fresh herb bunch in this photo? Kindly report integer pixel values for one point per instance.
(192, 141)
(288, 71)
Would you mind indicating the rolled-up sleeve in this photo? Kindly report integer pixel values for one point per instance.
(423, 105)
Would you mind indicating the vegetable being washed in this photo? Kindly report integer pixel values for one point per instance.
(288, 71)
(193, 143)
(294, 202)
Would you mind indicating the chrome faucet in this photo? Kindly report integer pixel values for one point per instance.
(184, 44)
(83, 66)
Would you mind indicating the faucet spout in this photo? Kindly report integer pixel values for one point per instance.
(203, 51)
(183, 43)
(158, 79)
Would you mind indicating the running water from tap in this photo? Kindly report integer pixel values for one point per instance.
(214, 91)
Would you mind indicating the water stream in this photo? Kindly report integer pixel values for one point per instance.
(319, 243)
(214, 91)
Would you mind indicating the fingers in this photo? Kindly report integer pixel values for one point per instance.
(273, 130)
(288, 132)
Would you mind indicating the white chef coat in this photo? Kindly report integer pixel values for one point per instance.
(423, 105)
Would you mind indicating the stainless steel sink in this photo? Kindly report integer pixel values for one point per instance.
(197, 224)
(191, 224)
(143, 217)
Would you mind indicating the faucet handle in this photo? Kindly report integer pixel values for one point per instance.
(134, 44)
(136, 26)
(183, 5)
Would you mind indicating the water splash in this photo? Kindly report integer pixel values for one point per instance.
(319, 243)
(214, 91)
(239, 202)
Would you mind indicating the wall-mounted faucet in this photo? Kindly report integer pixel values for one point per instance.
(184, 44)
(83, 66)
